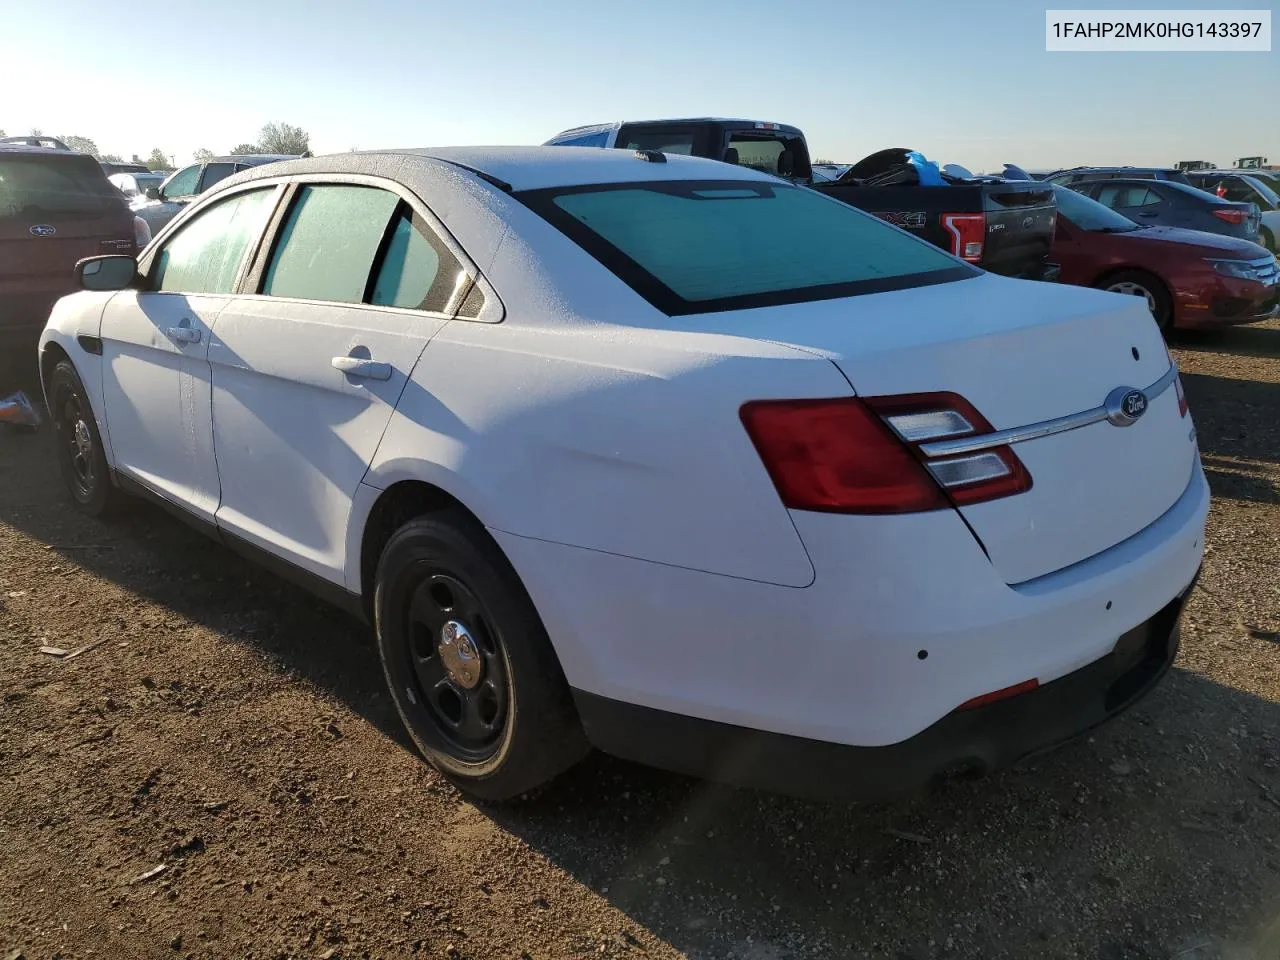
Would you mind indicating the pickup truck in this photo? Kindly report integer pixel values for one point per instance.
(1002, 226)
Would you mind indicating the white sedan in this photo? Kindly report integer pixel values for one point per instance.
(654, 454)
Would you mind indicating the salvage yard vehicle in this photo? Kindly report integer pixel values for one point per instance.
(1003, 227)
(1246, 188)
(56, 207)
(1171, 204)
(1188, 278)
(655, 454)
(1080, 174)
(165, 201)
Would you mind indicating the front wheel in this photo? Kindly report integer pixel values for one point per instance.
(1138, 283)
(81, 457)
(1267, 239)
(468, 663)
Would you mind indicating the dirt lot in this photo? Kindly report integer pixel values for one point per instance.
(223, 777)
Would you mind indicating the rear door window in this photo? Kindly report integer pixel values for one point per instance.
(216, 173)
(204, 256)
(417, 271)
(54, 186)
(327, 246)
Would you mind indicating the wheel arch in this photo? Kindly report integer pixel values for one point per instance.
(394, 506)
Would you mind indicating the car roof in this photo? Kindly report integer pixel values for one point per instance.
(512, 168)
(254, 158)
(47, 151)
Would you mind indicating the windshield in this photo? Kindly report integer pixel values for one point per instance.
(701, 246)
(1090, 215)
(50, 186)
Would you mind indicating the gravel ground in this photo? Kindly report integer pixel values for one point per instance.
(220, 775)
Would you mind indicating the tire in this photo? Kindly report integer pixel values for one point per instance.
(81, 456)
(1267, 239)
(470, 668)
(1143, 284)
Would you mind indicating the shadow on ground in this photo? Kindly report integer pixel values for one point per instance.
(1156, 834)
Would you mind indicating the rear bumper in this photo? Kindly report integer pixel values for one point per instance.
(965, 741)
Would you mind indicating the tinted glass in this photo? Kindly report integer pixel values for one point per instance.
(183, 183)
(417, 271)
(764, 153)
(328, 243)
(597, 139)
(204, 256)
(675, 142)
(216, 173)
(53, 187)
(1089, 214)
(697, 245)
(1124, 196)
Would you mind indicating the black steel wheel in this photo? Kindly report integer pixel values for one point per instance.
(469, 666)
(460, 669)
(81, 457)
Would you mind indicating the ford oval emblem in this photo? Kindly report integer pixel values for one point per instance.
(43, 230)
(1125, 405)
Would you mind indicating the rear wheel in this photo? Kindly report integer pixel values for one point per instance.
(81, 457)
(1139, 283)
(468, 663)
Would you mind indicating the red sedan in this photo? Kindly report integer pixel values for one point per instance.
(1190, 278)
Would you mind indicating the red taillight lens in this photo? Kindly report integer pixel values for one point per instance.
(837, 456)
(967, 478)
(1182, 396)
(1232, 216)
(1026, 686)
(968, 234)
(863, 456)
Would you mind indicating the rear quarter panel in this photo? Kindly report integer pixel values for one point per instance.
(619, 440)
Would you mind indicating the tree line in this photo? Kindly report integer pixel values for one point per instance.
(272, 138)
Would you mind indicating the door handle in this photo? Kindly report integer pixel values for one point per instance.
(183, 334)
(360, 367)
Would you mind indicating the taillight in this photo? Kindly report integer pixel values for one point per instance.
(968, 234)
(1182, 396)
(851, 455)
(141, 232)
(837, 456)
(1231, 215)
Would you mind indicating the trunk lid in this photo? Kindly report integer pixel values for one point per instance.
(1020, 352)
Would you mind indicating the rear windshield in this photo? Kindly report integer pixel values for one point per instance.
(779, 154)
(701, 246)
(49, 187)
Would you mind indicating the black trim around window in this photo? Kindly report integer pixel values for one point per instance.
(663, 298)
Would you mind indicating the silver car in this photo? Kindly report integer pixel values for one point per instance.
(163, 201)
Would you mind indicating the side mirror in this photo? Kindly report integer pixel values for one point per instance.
(114, 272)
(153, 193)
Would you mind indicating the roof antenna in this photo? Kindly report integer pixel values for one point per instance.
(651, 156)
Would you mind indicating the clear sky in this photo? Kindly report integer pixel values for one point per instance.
(965, 82)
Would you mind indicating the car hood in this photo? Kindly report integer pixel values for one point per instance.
(1211, 244)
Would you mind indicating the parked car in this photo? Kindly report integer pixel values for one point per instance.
(111, 167)
(1174, 205)
(1245, 188)
(35, 140)
(1188, 278)
(56, 207)
(134, 186)
(1079, 174)
(168, 199)
(585, 432)
(1005, 228)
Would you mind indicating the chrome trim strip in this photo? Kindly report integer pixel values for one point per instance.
(1034, 431)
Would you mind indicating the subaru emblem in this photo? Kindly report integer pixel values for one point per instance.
(1125, 405)
(43, 230)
